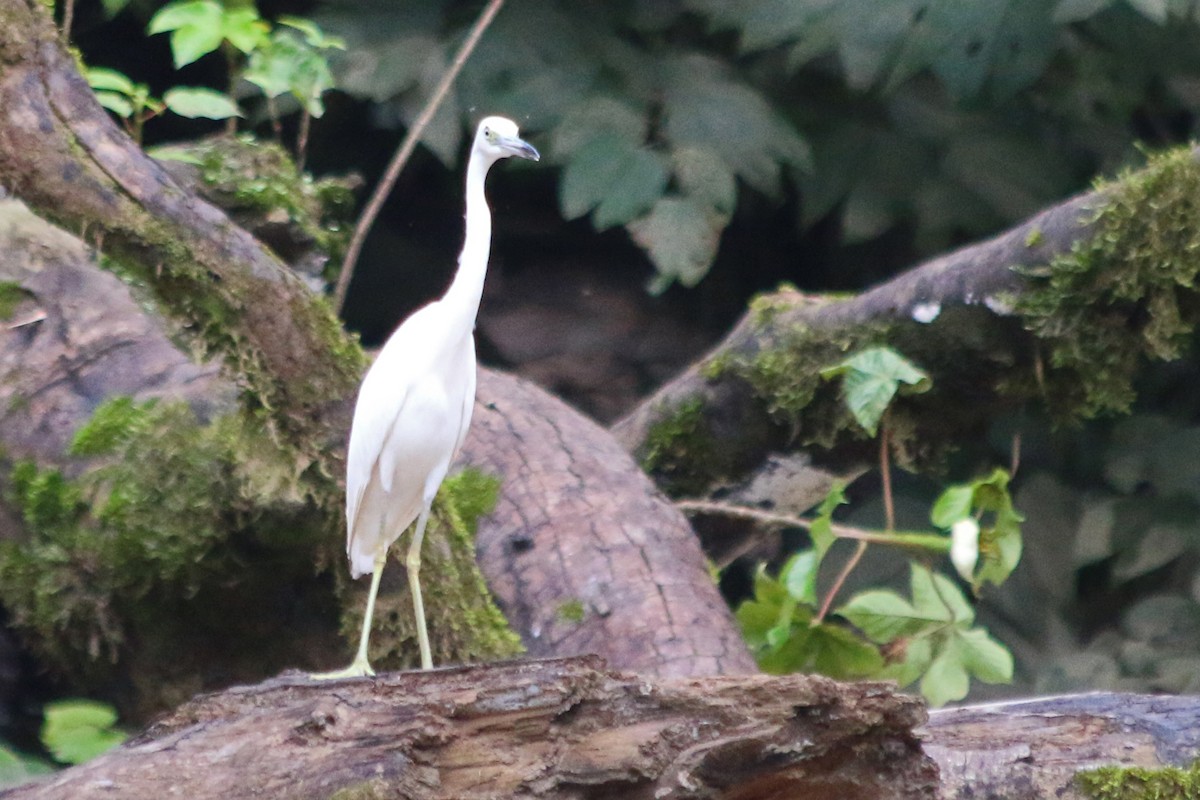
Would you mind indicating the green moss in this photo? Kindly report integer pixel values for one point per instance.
(1140, 783)
(11, 294)
(1127, 291)
(681, 452)
(176, 510)
(1034, 237)
(466, 625)
(571, 611)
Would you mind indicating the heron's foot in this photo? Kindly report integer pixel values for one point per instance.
(359, 669)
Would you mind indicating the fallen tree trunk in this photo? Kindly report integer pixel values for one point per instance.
(539, 729)
(570, 728)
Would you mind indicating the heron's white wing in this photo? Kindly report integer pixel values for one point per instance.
(405, 428)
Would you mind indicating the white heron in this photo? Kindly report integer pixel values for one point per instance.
(415, 404)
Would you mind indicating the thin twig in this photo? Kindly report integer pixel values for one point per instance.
(406, 148)
(770, 518)
(885, 471)
(841, 579)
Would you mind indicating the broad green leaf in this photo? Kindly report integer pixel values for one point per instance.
(946, 679)
(838, 653)
(593, 117)
(75, 731)
(177, 15)
(243, 28)
(985, 658)
(681, 237)
(117, 103)
(799, 576)
(104, 79)
(195, 27)
(313, 34)
(707, 107)
(197, 102)
(703, 176)
(612, 177)
(821, 530)
(871, 378)
(935, 595)
(954, 503)
(192, 42)
(884, 616)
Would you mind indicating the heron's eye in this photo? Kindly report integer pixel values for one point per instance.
(490, 134)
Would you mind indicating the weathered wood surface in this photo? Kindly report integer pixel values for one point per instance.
(1031, 749)
(534, 729)
(582, 553)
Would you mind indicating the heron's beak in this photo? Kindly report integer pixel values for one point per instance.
(519, 148)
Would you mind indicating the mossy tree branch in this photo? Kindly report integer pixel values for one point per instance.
(1059, 312)
(62, 154)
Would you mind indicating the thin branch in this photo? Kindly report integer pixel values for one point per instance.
(406, 149)
(841, 579)
(885, 472)
(909, 540)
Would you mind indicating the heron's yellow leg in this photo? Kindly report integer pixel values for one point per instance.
(413, 565)
(360, 667)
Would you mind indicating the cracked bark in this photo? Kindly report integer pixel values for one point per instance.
(562, 729)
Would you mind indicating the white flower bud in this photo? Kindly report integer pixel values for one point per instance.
(964, 547)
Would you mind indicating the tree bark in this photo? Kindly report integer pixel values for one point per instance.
(573, 729)
(543, 729)
(960, 317)
(583, 554)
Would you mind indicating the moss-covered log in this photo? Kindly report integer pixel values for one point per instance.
(1058, 312)
(63, 154)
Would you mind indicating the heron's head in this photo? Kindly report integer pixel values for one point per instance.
(497, 138)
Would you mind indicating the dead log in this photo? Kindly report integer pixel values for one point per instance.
(535, 729)
(1032, 749)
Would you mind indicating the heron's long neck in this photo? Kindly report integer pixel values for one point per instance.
(462, 298)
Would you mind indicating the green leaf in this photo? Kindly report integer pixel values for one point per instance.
(174, 16)
(871, 378)
(75, 731)
(985, 658)
(799, 576)
(946, 679)
(104, 79)
(613, 177)
(597, 115)
(884, 616)
(707, 108)
(198, 102)
(117, 103)
(681, 237)
(936, 595)
(704, 177)
(313, 35)
(954, 503)
(243, 28)
(821, 530)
